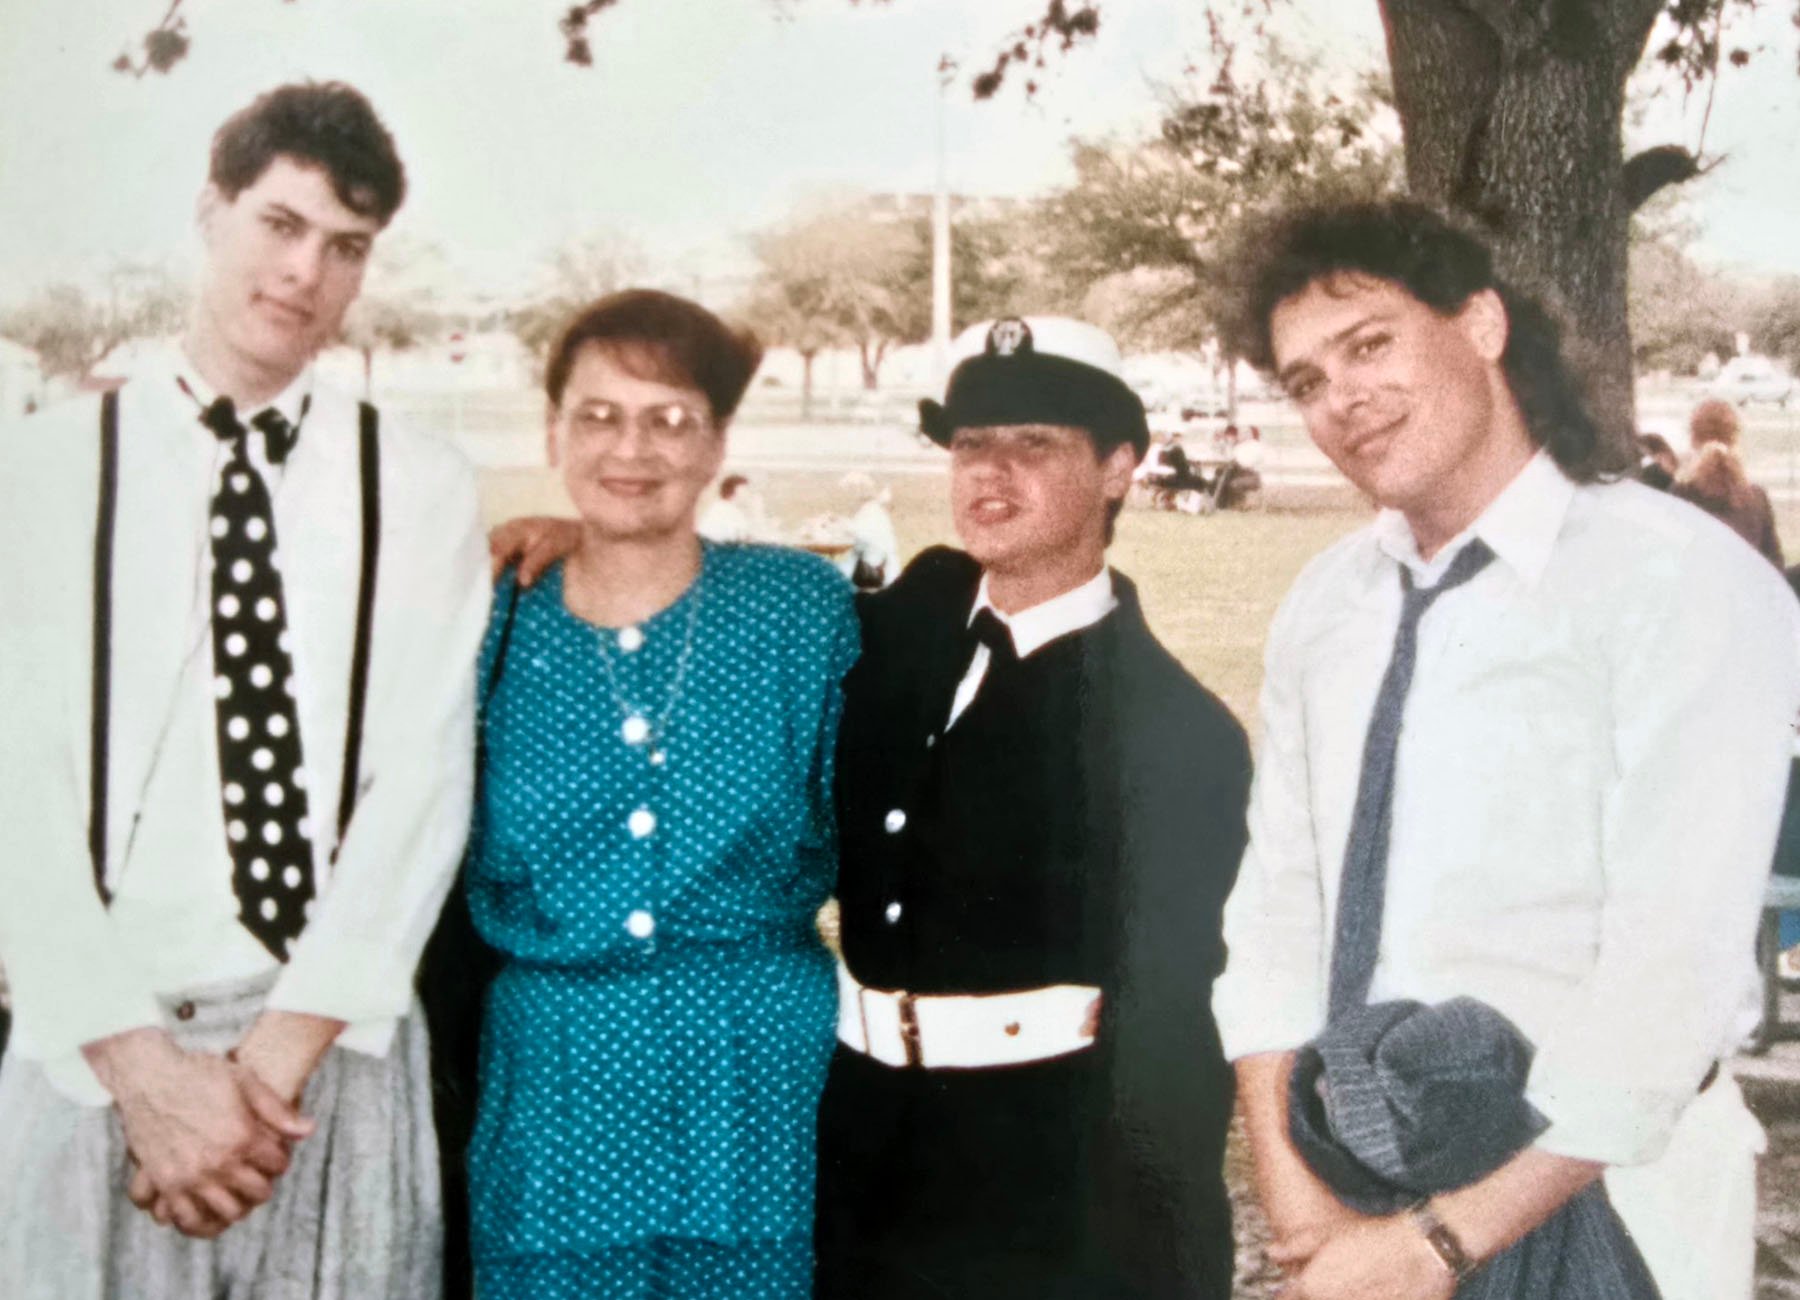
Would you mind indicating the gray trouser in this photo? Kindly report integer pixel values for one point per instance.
(356, 1216)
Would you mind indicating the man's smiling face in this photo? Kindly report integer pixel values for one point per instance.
(1400, 397)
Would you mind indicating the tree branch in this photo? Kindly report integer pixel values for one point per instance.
(1656, 169)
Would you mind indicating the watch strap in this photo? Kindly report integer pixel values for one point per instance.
(1444, 1243)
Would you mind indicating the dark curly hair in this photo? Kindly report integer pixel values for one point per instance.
(328, 124)
(658, 336)
(1442, 264)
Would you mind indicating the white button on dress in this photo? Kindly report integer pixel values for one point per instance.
(895, 821)
(630, 638)
(640, 924)
(640, 823)
(893, 913)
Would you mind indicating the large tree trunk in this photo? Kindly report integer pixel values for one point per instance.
(1511, 112)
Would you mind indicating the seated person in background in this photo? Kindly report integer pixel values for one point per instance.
(726, 520)
(1243, 475)
(1714, 480)
(1657, 462)
(873, 559)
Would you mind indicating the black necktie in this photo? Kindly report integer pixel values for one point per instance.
(988, 630)
(264, 781)
(1362, 890)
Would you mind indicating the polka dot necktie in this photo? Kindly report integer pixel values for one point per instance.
(264, 782)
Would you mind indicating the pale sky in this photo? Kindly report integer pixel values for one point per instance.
(700, 121)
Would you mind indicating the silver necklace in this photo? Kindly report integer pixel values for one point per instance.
(638, 729)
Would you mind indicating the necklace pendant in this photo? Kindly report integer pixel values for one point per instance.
(636, 730)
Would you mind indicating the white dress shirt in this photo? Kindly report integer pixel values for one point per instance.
(81, 971)
(1589, 777)
(1035, 627)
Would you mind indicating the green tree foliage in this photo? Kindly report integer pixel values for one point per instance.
(575, 275)
(1143, 236)
(1772, 319)
(1680, 311)
(71, 328)
(401, 304)
(845, 273)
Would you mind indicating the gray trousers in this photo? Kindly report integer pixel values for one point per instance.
(356, 1216)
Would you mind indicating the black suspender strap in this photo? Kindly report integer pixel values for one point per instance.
(105, 511)
(369, 454)
(499, 665)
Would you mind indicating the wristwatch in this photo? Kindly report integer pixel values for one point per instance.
(1445, 1243)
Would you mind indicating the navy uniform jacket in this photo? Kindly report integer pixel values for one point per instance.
(1081, 823)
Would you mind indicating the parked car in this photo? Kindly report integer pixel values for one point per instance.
(1747, 379)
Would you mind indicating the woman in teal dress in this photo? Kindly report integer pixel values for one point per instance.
(653, 840)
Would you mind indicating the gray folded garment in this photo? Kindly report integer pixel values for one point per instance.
(1396, 1102)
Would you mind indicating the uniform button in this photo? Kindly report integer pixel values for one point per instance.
(931, 740)
(185, 1011)
(895, 821)
(630, 639)
(640, 924)
(892, 913)
(641, 823)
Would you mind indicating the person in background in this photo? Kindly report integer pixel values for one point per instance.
(653, 840)
(1243, 475)
(1524, 745)
(1041, 814)
(1714, 480)
(873, 559)
(1657, 462)
(202, 941)
(726, 520)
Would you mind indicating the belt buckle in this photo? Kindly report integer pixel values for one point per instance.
(909, 1029)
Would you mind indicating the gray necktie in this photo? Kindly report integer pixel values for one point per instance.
(1363, 889)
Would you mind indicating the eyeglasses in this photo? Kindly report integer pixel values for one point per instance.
(667, 424)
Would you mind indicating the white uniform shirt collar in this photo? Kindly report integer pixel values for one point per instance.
(1042, 623)
(1520, 526)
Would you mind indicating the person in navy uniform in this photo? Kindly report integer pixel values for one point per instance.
(1041, 814)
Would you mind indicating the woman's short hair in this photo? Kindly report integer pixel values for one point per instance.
(1713, 421)
(1442, 264)
(329, 125)
(661, 337)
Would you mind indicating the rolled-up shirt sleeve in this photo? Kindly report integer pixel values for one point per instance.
(355, 961)
(1271, 996)
(1704, 691)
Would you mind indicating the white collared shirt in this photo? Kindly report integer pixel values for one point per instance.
(1035, 627)
(1589, 776)
(80, 971)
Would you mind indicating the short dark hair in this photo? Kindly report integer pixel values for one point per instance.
(729, 485)
(327, 124)
(659, 336)
(1442, 264)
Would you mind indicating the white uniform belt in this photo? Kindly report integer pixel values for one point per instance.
(963, 1031)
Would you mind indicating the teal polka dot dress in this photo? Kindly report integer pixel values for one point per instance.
(653, 839)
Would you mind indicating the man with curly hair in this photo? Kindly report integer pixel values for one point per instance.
(1511, 821)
